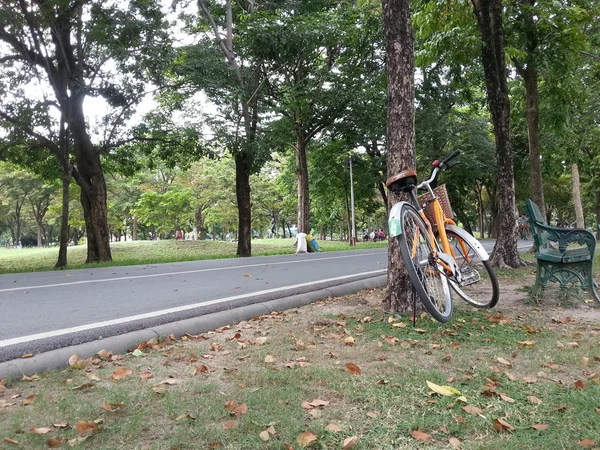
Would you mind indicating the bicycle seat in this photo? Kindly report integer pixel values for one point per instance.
(403, 181)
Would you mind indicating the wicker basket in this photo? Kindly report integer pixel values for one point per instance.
(442, 196)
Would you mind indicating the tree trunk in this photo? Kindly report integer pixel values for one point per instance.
(302, 179)
(134, 228)
(400, 135)
(90, 179)
(199, 216)
(242, 192)
(480, 211)
(529, 74)
(489, 20)
(576, 191)
(64, 223)
(39, 225)
(597, 214)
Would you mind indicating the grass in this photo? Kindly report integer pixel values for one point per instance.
(499, 360)
(154, 252)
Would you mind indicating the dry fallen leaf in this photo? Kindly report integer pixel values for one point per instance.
(29, 400)
(333, 428)
(526, 343)
(533, 399)
(473, 410)
(579, 384)
(586, 443)
(240, 410)
(506, 398)
(505, 362)
(10, 441)
(54, 442)
(318, 402)
(350, 442)
(264, 435)
(270, 359)
(349, 341)
(540, 426)
(454, 442)
(146, 376)
(121, 372)
(86, 426)
(92, 376)
(111, 407)
(305, 439)
(421, 436)
(502, 425)
(353, 369)
(27, 355)
(160, 389)
(43, 430)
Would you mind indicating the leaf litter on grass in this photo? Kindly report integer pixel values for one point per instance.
(375, 413)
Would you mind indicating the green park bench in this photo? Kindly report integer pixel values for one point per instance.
(556, 261)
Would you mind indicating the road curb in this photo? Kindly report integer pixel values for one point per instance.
(58, 359)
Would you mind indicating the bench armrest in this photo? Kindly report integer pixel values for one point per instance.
(566, 236)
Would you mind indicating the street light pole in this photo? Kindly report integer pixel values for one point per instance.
(353, 237)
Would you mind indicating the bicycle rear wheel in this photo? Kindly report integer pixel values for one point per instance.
(480, 285)
(419, 254)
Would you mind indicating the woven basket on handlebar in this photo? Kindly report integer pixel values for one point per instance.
(427, 204)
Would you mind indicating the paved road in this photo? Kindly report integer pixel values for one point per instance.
(47, 310)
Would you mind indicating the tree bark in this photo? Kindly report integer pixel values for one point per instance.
(489, 20)
(302, 180)
(134, 228)
(400, 135)
(64, 222)
(90, 178)
(529, 74)
(242, 192)
(597, 214)
(199, 216)
(576, 191)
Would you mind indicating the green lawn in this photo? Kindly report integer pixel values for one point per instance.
(334, 372)
(152, 252)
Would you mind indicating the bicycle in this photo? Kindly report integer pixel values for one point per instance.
(439, 255)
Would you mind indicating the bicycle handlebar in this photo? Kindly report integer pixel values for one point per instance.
(450, 157)
(437, 167)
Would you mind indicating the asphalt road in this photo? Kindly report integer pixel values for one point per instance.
(48, 310)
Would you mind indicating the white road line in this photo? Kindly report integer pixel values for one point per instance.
(91, 326)
(132, 277)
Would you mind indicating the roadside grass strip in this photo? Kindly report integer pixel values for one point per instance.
(336, 374)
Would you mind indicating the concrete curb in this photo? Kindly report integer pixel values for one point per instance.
(58, 359)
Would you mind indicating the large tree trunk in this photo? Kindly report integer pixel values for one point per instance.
(302, 180)
(530, 78)
(134, 228)
(576, 191)
(64, 223)
(400, 135)
(489, 19)
(242, 192)
(90, 179)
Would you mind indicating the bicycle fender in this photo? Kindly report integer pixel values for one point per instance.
(394, 224)
(483, 254)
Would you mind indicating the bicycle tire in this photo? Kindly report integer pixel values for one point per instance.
(428, 279)
(472, 267)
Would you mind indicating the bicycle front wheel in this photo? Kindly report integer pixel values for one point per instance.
(480, 285)
(419, 254)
